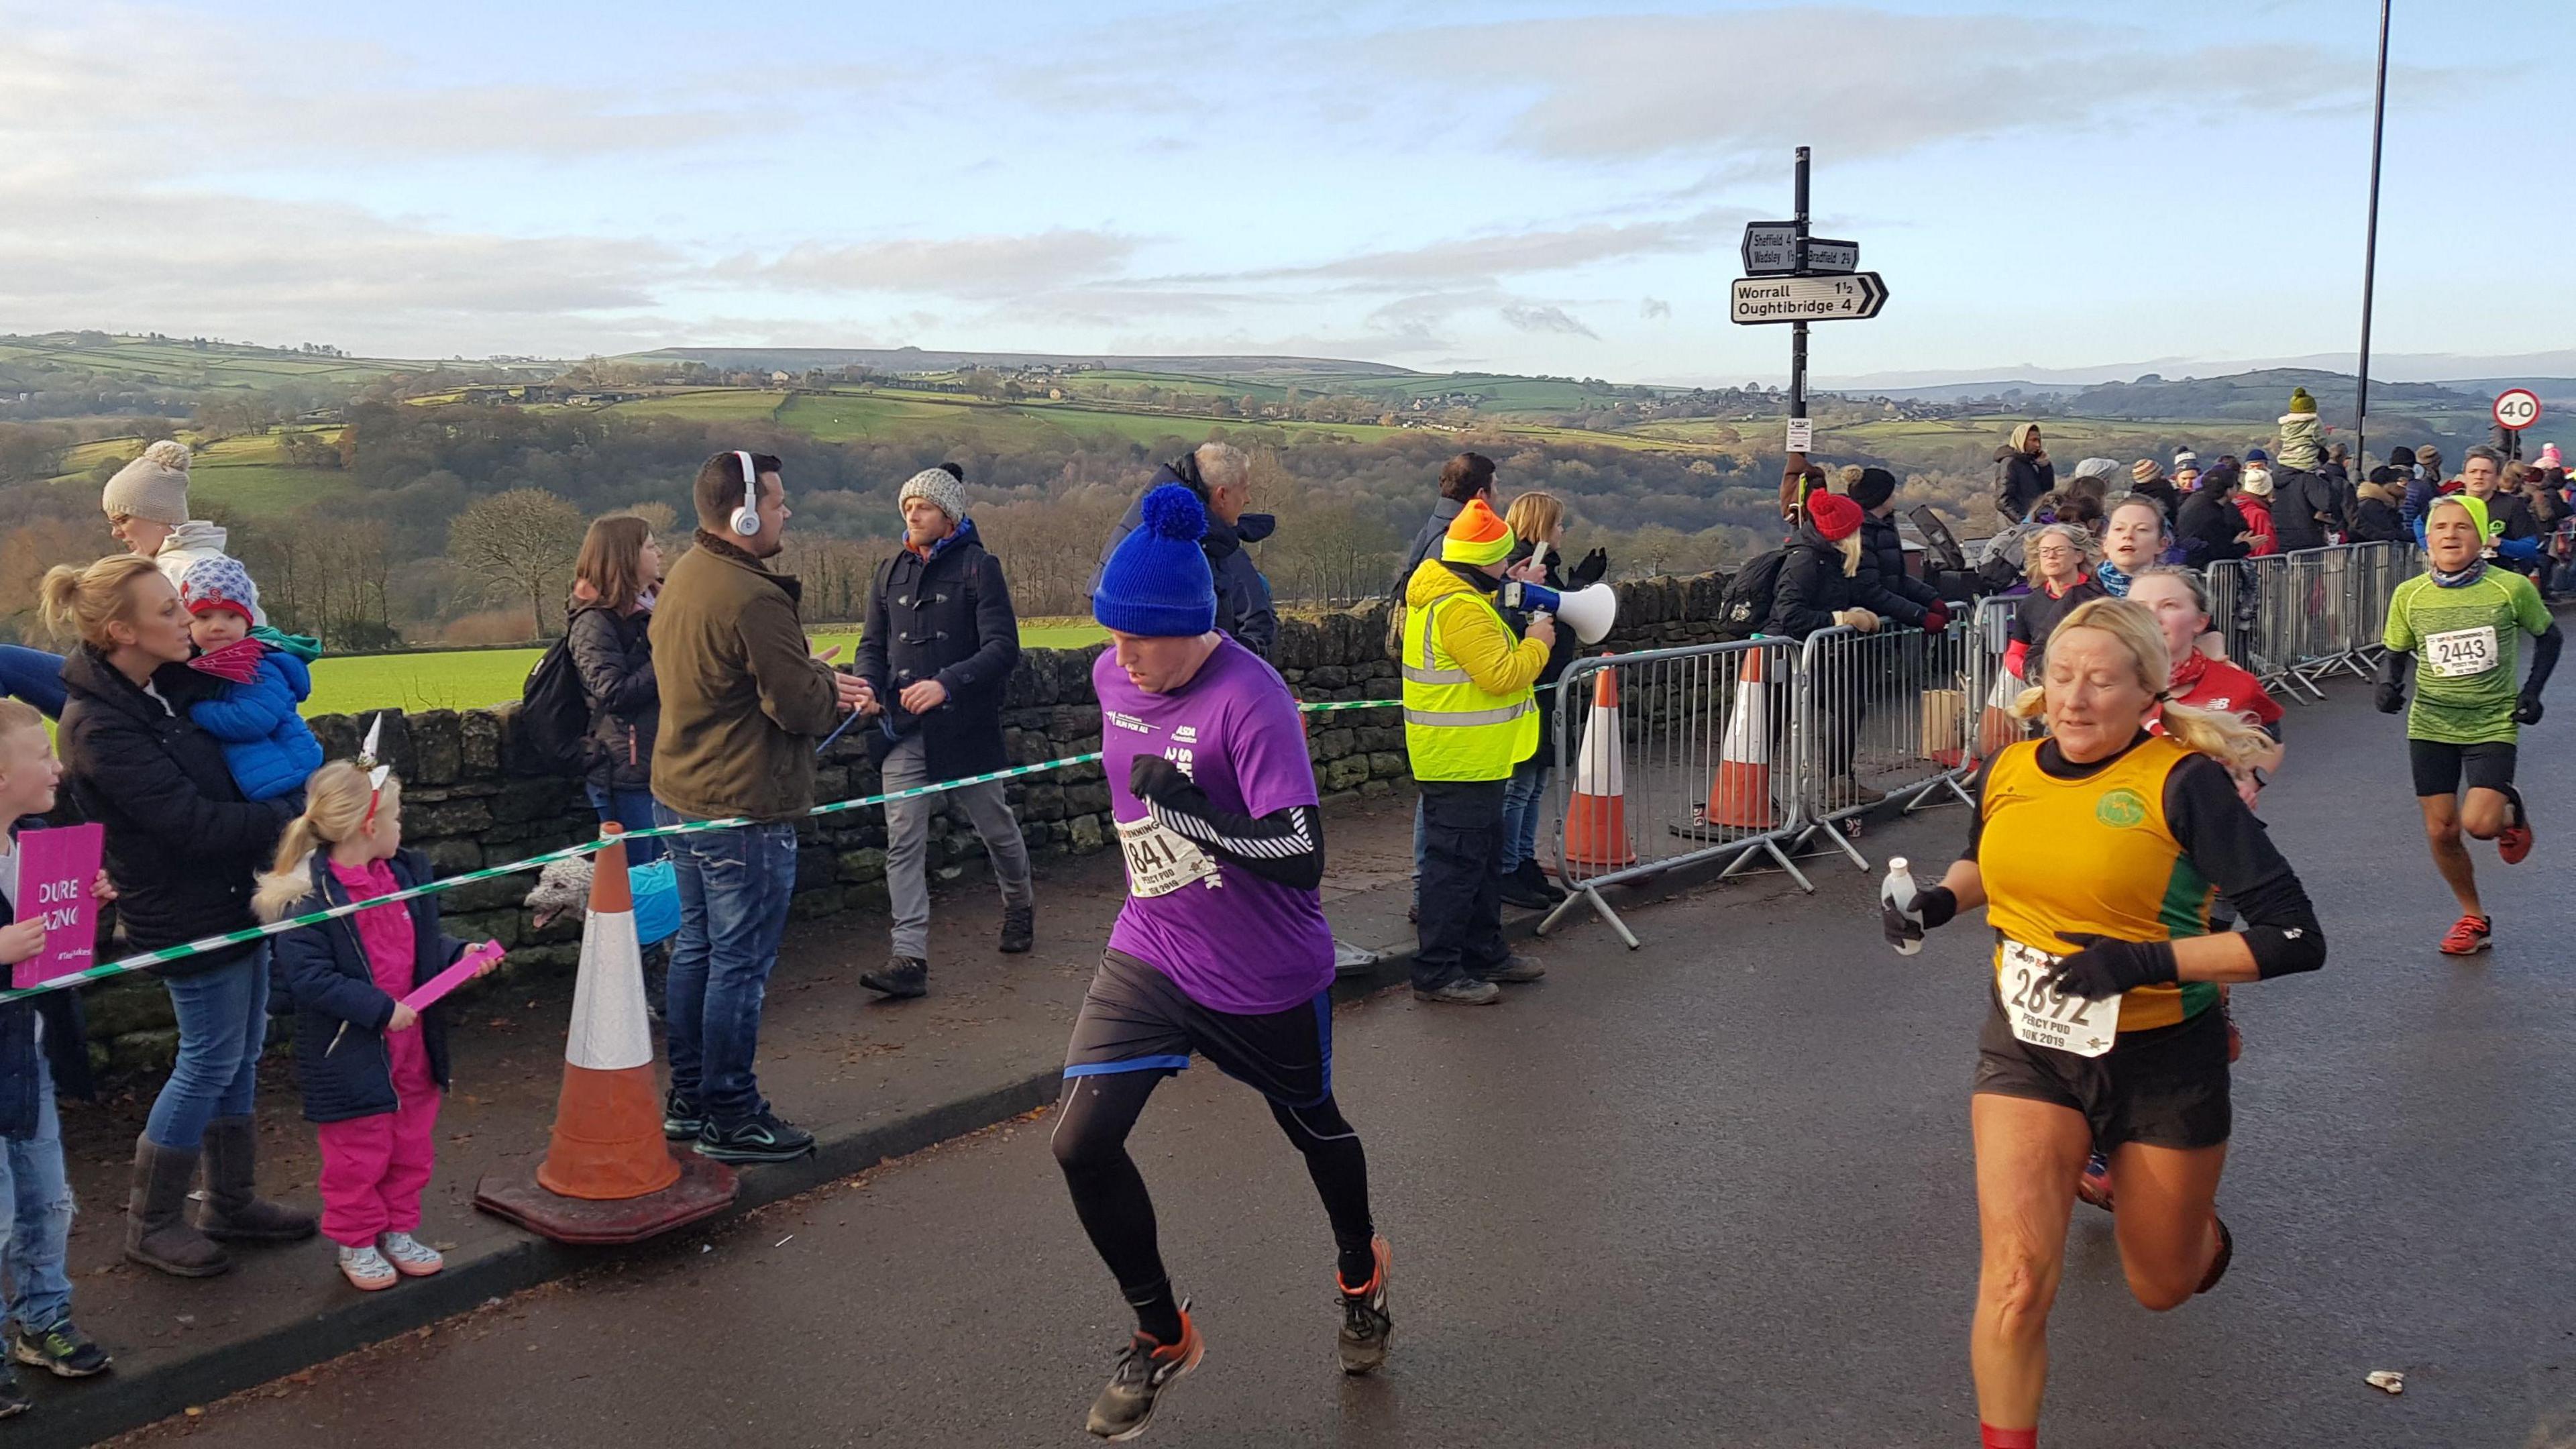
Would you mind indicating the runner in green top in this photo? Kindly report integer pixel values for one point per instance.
(2455, 629)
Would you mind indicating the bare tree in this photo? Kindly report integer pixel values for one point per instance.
(524, 541)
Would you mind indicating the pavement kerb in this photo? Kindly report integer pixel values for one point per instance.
(509, 1261)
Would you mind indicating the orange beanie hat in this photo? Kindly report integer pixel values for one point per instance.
(1477, 537)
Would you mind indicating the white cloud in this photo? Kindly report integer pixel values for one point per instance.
(1654, 309)
(969, 266)
(1531, 317)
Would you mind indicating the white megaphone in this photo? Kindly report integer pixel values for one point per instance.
(1589, 612)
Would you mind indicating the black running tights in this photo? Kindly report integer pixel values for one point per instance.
(1092, 1120)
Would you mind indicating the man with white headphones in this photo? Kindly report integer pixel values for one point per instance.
(743, 707)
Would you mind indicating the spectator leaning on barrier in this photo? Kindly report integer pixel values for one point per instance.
(608, 631)
(1883, 586)
(2023, 474)
(1221, 475)
(2211, 527)
(743, 706)
(1469, 720)
(2060, 582)
(1538, 520)
(182, 846)
(937, 655)
(1818, 588)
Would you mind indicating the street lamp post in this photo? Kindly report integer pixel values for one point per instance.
(2370, 254)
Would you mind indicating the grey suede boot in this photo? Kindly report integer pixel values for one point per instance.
(157, 1233)
(233, 1212)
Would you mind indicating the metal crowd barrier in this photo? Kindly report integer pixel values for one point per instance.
(1670, 756)
(1880, 715)
(1991, 688)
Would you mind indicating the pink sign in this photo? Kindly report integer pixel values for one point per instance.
(55, 870)
(467, 967)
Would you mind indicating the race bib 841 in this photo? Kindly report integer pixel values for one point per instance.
(1160, 861)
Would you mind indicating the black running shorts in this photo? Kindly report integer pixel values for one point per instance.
(2440, 768)
(1134, 1019)
(2164, 1087)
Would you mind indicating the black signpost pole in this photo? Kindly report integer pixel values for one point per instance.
(2370, 257)
(1793, 481)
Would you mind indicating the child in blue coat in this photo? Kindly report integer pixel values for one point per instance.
(267, 745)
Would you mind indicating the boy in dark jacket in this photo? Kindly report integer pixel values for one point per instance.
(267, 745)
(2374, 509)
(43, 1044)
(1817, 590)
(1882, 586)
(937, 655)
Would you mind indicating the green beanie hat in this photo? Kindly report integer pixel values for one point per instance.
(2300, 402)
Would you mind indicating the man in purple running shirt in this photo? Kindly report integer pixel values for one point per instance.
(1221, 949)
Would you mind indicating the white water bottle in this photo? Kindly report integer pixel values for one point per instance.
(1896, 900)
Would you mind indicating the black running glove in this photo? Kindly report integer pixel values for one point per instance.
(1589, 572)
(2105, 968)
(1931, 909)
(1151, 777)
(2526, 710)
(2388, 691)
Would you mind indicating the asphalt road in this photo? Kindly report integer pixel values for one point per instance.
(1715, 1192)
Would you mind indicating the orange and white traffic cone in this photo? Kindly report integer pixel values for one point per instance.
(1596, 816)
(1740, 796)
(608, 1176)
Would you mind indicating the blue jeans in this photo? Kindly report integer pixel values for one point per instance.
(34, 676)
(40, 1223)
(223, 1024)
(1523, 798)
(734, 886)
(632, 807)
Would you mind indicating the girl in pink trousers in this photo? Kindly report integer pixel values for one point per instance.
(372, 1070)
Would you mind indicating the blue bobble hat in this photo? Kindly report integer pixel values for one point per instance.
(2257, 455)
(1157, 582)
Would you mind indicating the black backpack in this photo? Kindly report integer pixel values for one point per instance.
(1747, 605)
(554, 714)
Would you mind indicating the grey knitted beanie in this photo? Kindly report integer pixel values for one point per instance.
(153, 487)
(938, 485)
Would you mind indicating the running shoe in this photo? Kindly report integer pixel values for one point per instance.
(411, 1257)
(682, 1121)
(2226, 1254)
(1366, 1325)
(1145, 1369)
(759, 1138)
(2093, 1184)
(366, 1269)
(2513, 842)
(62, 1350)
(2469, 935)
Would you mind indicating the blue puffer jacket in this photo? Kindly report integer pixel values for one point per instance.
(267, 745)
(324, 969)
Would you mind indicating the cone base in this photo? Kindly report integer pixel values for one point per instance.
(704, 1189)
(1741, 796)
(1596, 833)
(607, 1141)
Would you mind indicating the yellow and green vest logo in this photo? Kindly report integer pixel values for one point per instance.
(2121, 809)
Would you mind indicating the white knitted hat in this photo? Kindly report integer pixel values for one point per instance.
(153, 487)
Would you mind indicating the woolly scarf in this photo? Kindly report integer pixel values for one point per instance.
(2186, 674)
(2111, 578)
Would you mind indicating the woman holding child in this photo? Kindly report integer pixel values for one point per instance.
(183, 843)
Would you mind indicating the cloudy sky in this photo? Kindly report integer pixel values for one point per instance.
(1530, 187)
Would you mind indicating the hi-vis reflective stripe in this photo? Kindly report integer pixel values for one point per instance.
(1419, 675)
(1468, 718)
(1423, 673)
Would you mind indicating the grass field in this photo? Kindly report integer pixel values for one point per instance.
(712, 405)
(177, 362)
(240, 475)
(470, 678)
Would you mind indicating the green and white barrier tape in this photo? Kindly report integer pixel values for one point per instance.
(207, 944)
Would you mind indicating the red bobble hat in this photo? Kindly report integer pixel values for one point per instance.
(1833, 515)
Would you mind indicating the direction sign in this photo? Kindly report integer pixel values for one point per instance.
(1771, 249)
(2516, 409)
(1807, 299)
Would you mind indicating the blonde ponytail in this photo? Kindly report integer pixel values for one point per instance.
(335, 809)
(2225, 738)
(83, 601)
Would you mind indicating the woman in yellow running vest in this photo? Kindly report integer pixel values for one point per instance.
(2097, 851)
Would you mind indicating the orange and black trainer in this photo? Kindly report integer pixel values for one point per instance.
(2468, 936)
(1145, 1369)
(1366, 1324)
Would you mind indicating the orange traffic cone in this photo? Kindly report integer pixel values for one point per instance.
(1741, 794)
(608, 1176)
(1596, 817)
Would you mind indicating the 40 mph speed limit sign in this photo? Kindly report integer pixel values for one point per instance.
(2517, 408)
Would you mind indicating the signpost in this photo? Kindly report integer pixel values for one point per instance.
(1796, 278)
(1852, 298)
(2516, 409)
